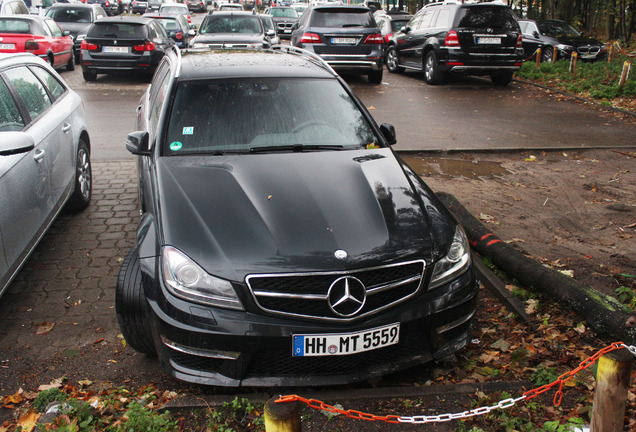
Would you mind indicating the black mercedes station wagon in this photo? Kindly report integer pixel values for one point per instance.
(290, 250)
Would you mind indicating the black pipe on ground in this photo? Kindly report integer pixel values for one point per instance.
(603, 313)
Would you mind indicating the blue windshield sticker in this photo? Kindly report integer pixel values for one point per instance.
(188, 130)
(176, 146)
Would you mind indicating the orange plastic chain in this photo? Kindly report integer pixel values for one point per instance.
(316, 404)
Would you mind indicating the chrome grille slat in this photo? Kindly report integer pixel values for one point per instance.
(304, 295)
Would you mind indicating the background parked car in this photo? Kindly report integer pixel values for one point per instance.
(230, 7)
(554, 33)
(284, 18)
(38, 35)
(75, 18)
(44, 156)
(12, 7)
(346, 37)
(469, 38)
(154, 5)
(138, 7)
(231, 30)
(175, 9)
(390, 23)
(112, 7)
(196, 5)
(123, 44)
(177, 28)
(270, 28)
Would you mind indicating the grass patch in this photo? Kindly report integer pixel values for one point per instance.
(595, 80)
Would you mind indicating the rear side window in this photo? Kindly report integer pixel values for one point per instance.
(30, 90)
(14, 26)
(123, 30)
(486, 16)
(342, 18)
(55, 88)
(10, 118)
(70, 15)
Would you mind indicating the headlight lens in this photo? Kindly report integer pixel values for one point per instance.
(456, 261)
(566, 48)
(80, 37)
(186, 279)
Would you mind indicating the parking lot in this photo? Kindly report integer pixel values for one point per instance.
(57, 317)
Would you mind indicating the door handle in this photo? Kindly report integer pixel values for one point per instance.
(66, 128)
(39, 155)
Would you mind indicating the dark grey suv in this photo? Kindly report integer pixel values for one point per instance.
(470, 39)
(346, 37)
(297, 249)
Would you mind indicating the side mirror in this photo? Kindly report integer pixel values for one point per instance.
(192, 33)
(16, 143)
(388, 132)
(137, 143)
(66, 33)
(535, 34)
(271, 33)
(405, 29)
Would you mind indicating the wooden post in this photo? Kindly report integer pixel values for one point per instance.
(538, 59)
(282, 417)
(625, 74)
(610, 54)
(573, 63)
(610, 395)
(555, 54)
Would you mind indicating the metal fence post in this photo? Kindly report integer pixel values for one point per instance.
(610, 395)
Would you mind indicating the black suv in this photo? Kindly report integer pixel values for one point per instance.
(295, 250)
(470, 39)
(346, 37)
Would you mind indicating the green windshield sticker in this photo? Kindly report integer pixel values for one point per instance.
(176, 146)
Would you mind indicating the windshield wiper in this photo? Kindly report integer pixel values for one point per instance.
(294, 148)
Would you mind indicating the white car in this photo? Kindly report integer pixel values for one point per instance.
(44, 156)
(175, 9)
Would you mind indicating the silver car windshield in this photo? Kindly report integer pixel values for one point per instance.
(251, 115)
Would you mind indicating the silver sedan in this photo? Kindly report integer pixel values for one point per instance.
(44, 156)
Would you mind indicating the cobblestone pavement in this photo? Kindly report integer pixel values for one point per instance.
(57, 318)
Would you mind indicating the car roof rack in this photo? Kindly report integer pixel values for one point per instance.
(314, 58)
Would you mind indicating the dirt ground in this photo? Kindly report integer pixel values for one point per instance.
(573, 210)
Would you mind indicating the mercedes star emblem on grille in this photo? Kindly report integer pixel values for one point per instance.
(346, 296)
(340, 254)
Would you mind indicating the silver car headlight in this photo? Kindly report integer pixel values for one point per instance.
(186, 279)
(565, 48)
(456, 261)
(200, 45)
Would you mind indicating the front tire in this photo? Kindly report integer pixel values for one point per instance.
(131, 305)
(375, 77)
(393, 61)
(432, 74)
(501, 78)
(81, 196)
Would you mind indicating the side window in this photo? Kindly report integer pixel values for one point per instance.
(443, 19)
(157, 95)
(10, 118)
(426, 19)
(30, 90)
(415, 21)
(55, 29)
(161, 32)
(47, 29)
(56, 89)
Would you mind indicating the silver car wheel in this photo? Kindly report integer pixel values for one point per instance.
(84, 172)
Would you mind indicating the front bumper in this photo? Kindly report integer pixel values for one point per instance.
(215, 346)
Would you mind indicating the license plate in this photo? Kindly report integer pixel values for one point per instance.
(114, 49)
(344, 41)
(312, 345)
(489, 40)
(286, 31)
(7, 46)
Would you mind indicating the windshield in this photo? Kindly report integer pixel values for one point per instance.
(342, 18)
(169, 24)
(173, 10)
(70, 15)
(249, 24)
(556, 29)
(243, 115)
(283, 12)
(120, 30)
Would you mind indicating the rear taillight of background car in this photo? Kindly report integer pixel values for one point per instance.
(310, 38)
(178, 35)
(148, 46)
(519, 44)
(387, 37)
(88, 46)
(374, 39)
(451, 39)
(31, 45)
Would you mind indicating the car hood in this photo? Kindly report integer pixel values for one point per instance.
(228, 38)
(577, 41)
(284, 19)
(264, 213)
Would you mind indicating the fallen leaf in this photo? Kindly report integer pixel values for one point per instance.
(28, 421)
(44, 328)
(56, 383)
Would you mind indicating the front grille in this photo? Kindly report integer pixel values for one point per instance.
(588, 50)
(307, 295)
(284, 26)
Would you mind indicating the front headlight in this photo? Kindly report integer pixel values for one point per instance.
(80, 37)
(566, 48)
(186, 279)
(199, 45)
(456, 261)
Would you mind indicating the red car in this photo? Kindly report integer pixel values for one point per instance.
(38, 35)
